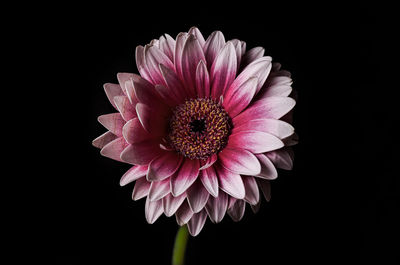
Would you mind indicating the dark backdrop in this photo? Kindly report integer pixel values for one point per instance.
(336, 205)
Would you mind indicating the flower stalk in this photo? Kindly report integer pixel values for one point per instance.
(178, 254)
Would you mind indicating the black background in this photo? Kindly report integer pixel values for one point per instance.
(338, 204)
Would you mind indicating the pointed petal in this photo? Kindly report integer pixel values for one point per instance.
(171, 203)
(167, 46)
(114, 149)
(196, 32)
(214, 43)
(239, 161)
(197, 222)
(238, 49)
(185, 176)
(153, 58)
(174, 92)
(180, 43)
(122, 79)
(134, 173)
(230, 182)
(209, 162)
(268, 170)
(152, 121)
(255, 208)
(236, 212)
(113, 90)
(164, 166)
(210, 180)
(141, 189)
(141, 65)
(197, 196)
(183, 214)
(254, 141)
(265, 187)
(202, 80)
(216, 207)
(133, 132)
(237, 98)
(130, 90)
(145, 92)
(252, 194)
(278, 128)
(125, 107)
(159, 189)
(281, 158)
(112, 122)
(141, 153)
(104, 139)
(252, 55)
(153, 210)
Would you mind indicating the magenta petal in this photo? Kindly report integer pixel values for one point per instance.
(268, 170)
(185, 176)
(103, 139)
(167, 46)
(140, 63)
(252, 194)
(238, 49)
(252, 55)
(125, 107)
(216, 207)
(159, 189)
(197, 196)
(265, 187)
(223, 70)
(153, 58)
(163, 166)
(153, 210)
(254, 141)
(113, 90)
(209, 179)
(174, 92)
(196, 223)
(141, 153)
(180, 43)
(133, 174)
(281, 158)
(230, 182)
(183, 214)
(196, 32)
(239, 161)
(133, 132)
(114, 149)
(152, 121)
(171, 203)
(202, 80)
(141, 189)
(214, 43)
(145, 91)
(112, 122)
(278, 128)
(236, 211)
(209, 162)
(237, 98)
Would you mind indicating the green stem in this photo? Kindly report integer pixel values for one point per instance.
(178, 254)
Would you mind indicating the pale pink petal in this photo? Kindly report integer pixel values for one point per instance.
(239, 161)
(252, 194)
(183, 214)
(180, 43)
(255, 208)
(291, 140)
(164, 166)
(125, 107)
(152, 121)
(252, 55)
(133, 132)
(112, 122)
(214, 43)
(141, 65)
(159, 189)
(196, 32)
(265, 187)
(268, 170)
(209, 162)
(202, 80)
(216, 207)
(238, 49)
(254, 141)
(171, 203)
(122, 79)
(275, 91)
(134, 173)
(155, 42)
(260, 68)
(167, 46)
(129, 89)
(271, 107)
(223, 70)
(174, 92)
(230, 182)
(141, 153)
(113, 90)
(153, 58)
(237, 98)
(209, 179)
(231, 201)
(103, 139)
(153, 210)
(114, 148)
(236, 211)
(282, 158)
(196, 223)
(185, 176)
(197, 196)
(278, 128)
(141, 189)
(243, 44)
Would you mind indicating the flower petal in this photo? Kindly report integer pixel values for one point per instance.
(152, 121)
(140, 63)
(141, 153)
(238, 49)
(174, 92)
(252, 55)
(159, 189)
(196, 223)
(185, 176)
(153, 210)
(239, 161)
(265, 187)
(180, 43)
(223, 70)
(133, 132)
(209, 179)
(134, 173)
(145, 91)
(183, 214)
(236, 212)
(167, 46)
(230, 182)
(252, 194)
(171, 203)
(113, 90)
(153, 58)
(278, 128)
(196, 32)
(122, 79)
(197, 196)
(114, 148)
(216, 207)
(254, 141)
(282, 158)
(112, 122)
(125, 107)
(141, 189)
(209, 162)
(202, 80)
(268, 170)
(255, 208)
(237, 98)
(214, 43)
(163, 166)
(104, 139)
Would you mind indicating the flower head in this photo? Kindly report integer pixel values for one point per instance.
(205, 125)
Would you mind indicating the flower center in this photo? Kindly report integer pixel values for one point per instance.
(199, 128)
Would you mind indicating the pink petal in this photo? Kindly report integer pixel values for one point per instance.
(243, 44)
(209, 179)
(180, 43)
(185, 176)
(141, 153)
(174, 92)
(129, 89)
(141, 189)
(114, 149)
(236, 212)
(256, 208)
(238, 49)
(230, 182)
(197, 222)
(122, 79)
(112, 122)
(183, 214)
(103, 139)
(145, 91)
(252, 194)
(281, 158)
(291, 140)
(125, 107)
(152, 121)
(164, 166)
(134, 173)
(254, 141)
(197, 196)
(252, 55)
(167, 46)
(216, 207)
(202, 80)
(223, 70)
(239, 161)
(141, 65)
(171, 203)
(159, 189)
(196, 32)
(214, 43)
(271, 107)
(237, 98)
(209, 162)
(133, 132)
(153, 58)
(113, 90)
(153, 210)
(268, 170)
(265, 187)
(275, 91)
(278, 128)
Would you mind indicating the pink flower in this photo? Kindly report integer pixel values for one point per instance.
(204, 125)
